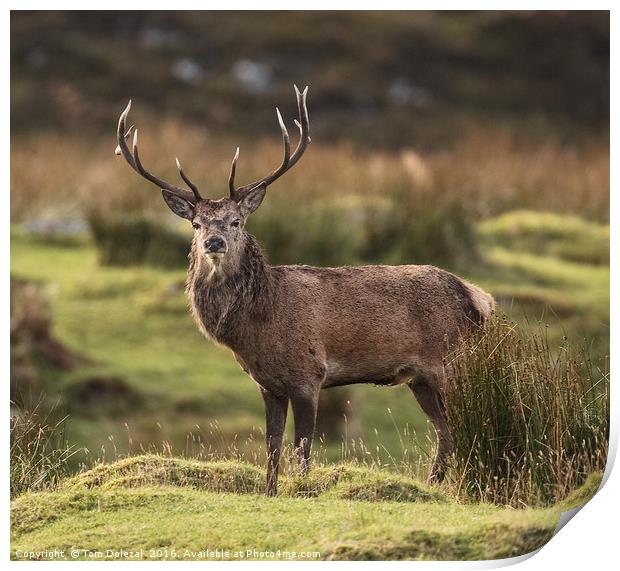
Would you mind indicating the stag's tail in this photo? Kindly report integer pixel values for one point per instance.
(482, 302)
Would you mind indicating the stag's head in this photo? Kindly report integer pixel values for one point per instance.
(218, 224)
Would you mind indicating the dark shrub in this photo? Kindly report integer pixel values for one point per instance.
(137, 239)
(318, 233)
(420, 229)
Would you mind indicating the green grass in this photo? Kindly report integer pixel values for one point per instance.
(569, 299)
(555, 269)
(343, 512)
(560, 235)
(552, 260)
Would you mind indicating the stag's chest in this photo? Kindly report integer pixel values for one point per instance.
(215, 321)
(263, 372)
(211, 308)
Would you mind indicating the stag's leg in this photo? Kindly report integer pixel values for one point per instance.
(305, 407)
(275, 411)
(427, 392)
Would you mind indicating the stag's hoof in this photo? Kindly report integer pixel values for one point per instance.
(436, 476)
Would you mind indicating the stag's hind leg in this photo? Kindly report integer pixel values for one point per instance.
(305, 405)
(426, 389)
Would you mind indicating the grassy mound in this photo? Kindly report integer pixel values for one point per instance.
(169, 508)
(347, 482)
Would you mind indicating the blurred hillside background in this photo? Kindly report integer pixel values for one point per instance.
(477, 141)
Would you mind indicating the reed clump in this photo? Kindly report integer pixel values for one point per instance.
(530, 421)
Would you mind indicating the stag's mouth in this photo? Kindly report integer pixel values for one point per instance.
(215, 262)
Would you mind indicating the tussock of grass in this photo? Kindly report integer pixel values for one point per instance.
(39, 452)
(378, 486)
(499, 542)
(530, 421)
(358, 483)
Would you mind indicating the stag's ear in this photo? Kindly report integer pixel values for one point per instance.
(178, 205)
(253, 199)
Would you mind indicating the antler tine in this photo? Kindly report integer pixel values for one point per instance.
(231, 177)
(289, 159)
(117, 151)
(133, 159)
(285, 139)
(187, 181)
(303, 124)
(122, 148)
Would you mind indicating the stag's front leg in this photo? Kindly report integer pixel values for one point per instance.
(305, 405)
(275, 412)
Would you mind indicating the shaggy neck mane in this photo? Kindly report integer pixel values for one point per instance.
(227, 304)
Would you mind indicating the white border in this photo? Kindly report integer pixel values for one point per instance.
(590, 539)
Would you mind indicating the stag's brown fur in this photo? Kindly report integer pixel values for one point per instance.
(298, 329)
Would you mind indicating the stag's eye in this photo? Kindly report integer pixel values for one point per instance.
(196, 226)
(235, 223)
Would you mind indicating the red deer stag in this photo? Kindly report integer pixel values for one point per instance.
(299, 329)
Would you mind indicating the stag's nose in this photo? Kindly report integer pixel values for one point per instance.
(215, 245)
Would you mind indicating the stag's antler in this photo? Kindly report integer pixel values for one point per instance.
(134, 161)
(288, 161)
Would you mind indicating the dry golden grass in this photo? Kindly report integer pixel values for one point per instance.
(487, 172)
(498, 173)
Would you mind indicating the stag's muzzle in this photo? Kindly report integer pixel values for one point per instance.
(215, 245)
